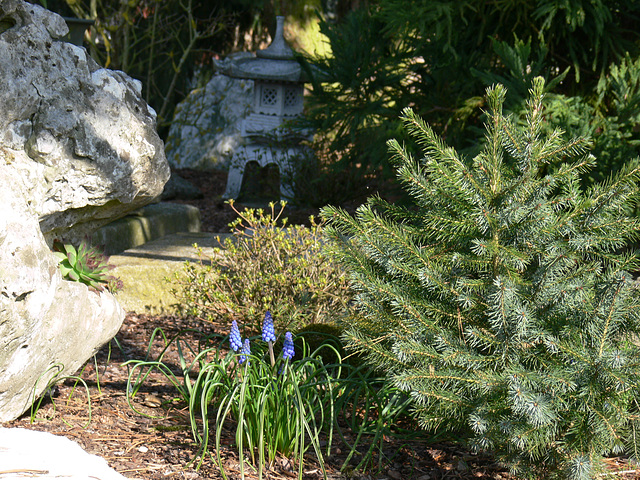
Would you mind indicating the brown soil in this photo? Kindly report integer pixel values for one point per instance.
(154, 440)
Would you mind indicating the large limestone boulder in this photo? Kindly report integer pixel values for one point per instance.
(205, 132)
(48, 326)
(80, 136)
(78, 148)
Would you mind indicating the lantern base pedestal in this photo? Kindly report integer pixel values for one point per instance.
(284, 159)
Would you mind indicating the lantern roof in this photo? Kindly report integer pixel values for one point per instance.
(276, 63)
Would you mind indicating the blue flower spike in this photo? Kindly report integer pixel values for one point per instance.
(269, 335)
(288, 350)
(234, 337)
(246, 350)
(268, 332)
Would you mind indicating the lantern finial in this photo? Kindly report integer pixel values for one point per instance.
(278, 50)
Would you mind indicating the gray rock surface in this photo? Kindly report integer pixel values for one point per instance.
(147, 224)
(78, 149)
(48, 326)
(205, 131)
(28, 453)
(181, 189)
(79, 137)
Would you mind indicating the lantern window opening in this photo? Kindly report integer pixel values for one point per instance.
(269, 96)
(291, 97)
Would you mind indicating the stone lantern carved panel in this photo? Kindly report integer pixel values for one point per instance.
(283, 158)
(278, 97)
(268, 99)
(293, 98)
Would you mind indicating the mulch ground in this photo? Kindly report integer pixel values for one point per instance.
(151, 437)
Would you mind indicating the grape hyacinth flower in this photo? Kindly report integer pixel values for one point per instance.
(287, 350)
(246, 350)
(268, 332)
(269, 335)
(234, 337)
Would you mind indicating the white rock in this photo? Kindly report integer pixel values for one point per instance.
(78, 149)
(48, 326)
(205, 131)
(82, 134)
(28, 453)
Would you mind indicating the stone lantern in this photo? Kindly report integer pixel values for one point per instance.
(278, 97)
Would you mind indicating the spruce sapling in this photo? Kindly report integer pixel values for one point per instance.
(502, 303)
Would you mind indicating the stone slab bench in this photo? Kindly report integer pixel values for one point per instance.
(147, 224)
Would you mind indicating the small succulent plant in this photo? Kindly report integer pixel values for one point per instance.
(86, 264)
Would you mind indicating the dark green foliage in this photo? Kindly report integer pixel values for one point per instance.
(608, 115)
(586, 35)
(357, 94)
(316, 337)
(616, 115)
(438, 56)
(503, 303)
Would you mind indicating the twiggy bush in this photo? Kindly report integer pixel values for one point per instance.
(267, 265)
(502, 302)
